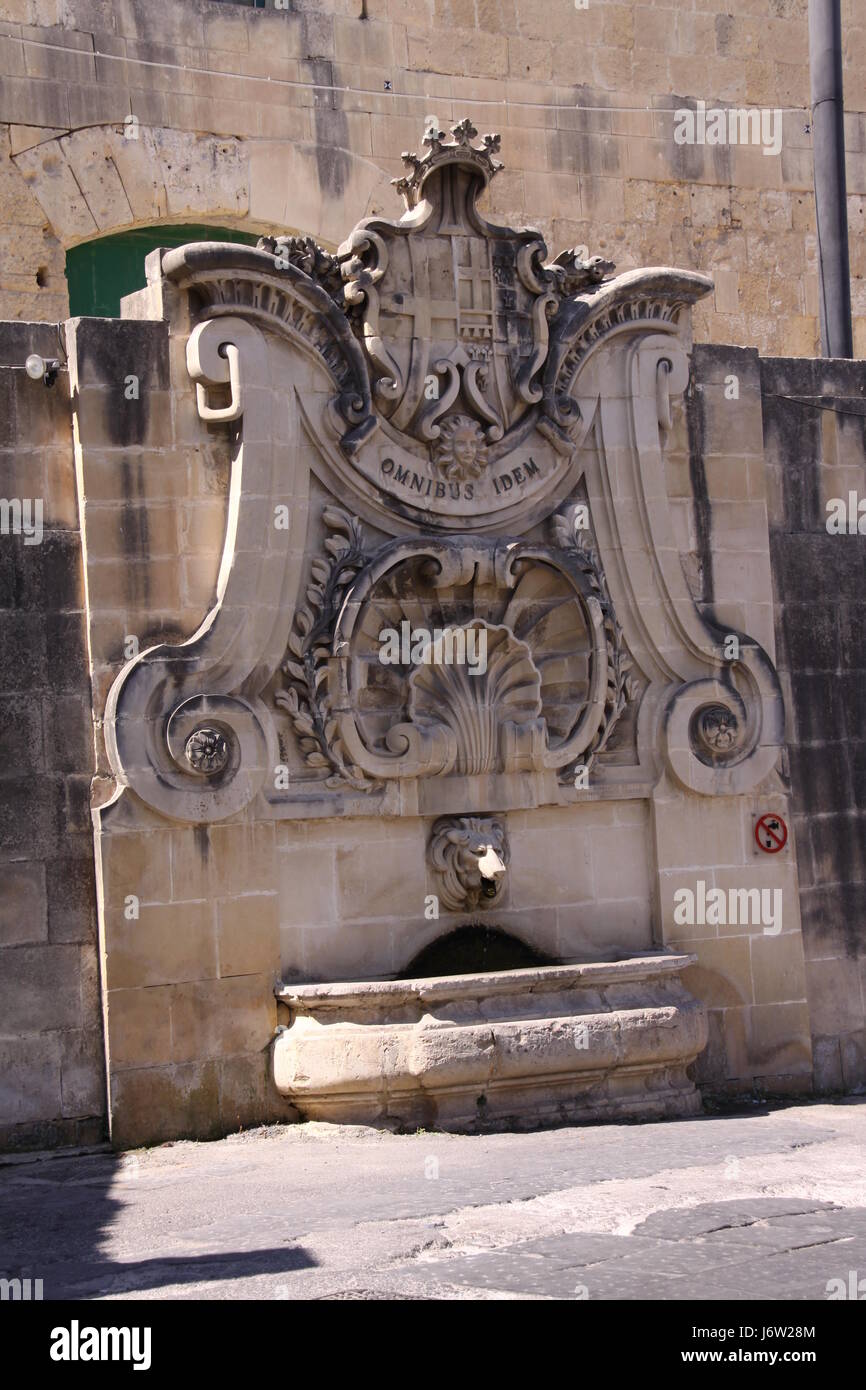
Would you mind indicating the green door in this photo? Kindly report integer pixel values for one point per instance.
(101, 272)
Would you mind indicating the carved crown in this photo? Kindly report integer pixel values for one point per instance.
(443, 151)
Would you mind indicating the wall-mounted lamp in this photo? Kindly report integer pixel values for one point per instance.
(42, 368)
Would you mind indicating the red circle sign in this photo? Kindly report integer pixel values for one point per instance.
(771, 833)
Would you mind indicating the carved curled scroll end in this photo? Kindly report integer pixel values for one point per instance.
(427, 427)
(664, 368)
(222, 741)
(416, 750)
(350, 409)
(469, 856)
(474, 375)
(528, 388)
(235, 408)
(536, 276)
(178, 732)
(387, 388)
(411, 750)
(560, 424)
(719, 741)
(363, 260)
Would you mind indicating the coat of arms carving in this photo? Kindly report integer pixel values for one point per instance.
(454, 316)
(455, 310)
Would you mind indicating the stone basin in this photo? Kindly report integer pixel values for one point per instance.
(509, 1049)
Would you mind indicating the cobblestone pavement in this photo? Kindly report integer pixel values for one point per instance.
(762, 1204)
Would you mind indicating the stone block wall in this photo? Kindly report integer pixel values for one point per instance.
(294, 120)
(51, 1051)
(189, 944)
(752, 981)
(815, 451)
(352, 894)
(198, 923)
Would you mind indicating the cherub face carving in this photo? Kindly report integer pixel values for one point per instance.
(460, 452)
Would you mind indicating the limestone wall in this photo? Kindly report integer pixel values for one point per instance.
(752, 981)
(295, 120)
(815, 443)
(352, 896)
(52, 1082)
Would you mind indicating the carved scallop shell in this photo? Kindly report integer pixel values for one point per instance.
(474, 707)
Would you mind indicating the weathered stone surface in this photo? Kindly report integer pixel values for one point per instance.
(41, 986)
(495, 1051)
(822, 653)
(221, 81)
(23, 908)
(47, 928)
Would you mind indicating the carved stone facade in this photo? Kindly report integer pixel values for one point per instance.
(455, 664)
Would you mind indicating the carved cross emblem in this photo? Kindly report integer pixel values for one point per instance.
(454, 309)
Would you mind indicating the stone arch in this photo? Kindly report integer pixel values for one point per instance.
(110, 178)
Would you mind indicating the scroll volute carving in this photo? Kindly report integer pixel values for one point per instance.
(634, 376)
(203, 756)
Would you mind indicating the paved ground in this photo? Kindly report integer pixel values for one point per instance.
(759, 1205)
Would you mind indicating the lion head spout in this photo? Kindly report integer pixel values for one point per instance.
(469, 855)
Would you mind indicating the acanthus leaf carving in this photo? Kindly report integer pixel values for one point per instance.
(621, 684)
(308, 256)
(307, 699)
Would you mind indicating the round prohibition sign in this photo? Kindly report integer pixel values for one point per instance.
(771, 833)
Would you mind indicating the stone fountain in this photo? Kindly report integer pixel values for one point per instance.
(457, 680)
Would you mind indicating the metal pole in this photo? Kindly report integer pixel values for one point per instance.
(828, 152)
